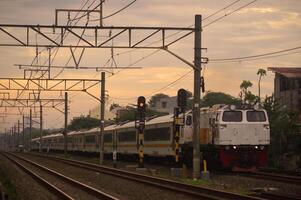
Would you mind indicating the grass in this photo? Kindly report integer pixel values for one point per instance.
(7, 185)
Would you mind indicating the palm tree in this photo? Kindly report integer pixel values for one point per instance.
(261, 73)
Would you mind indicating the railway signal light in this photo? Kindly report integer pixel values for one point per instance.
(141, 104)
(182, 99)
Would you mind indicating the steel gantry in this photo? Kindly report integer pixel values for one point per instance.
(8, 102)
(13, 31)
(4, 102)
(58, 85)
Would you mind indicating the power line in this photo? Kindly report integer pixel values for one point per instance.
(87, 11)
(118, 11)
(254, 56)
(224, 8)
(171, 83)
(173, 34)
(230, 13)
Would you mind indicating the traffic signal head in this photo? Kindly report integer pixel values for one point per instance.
(182, 99)
(141, 103)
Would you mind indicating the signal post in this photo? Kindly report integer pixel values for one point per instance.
(179, 120)
(140, 126)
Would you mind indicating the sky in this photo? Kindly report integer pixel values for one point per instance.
(262, 27)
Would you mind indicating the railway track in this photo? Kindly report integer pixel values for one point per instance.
(190, 190)
(23, 164)
(279, 171)
(277, 177)
(279, 196)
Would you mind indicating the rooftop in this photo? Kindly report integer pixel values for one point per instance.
(289, 72)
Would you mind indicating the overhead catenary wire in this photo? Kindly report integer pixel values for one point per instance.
(228, 14)
(115, 13)
(253, 56)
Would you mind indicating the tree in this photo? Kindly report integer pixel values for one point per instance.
(154, 99)
(131, 114)
(282, 126)
(245, 94)
(212, 98)
(245, 85)
(83, 122)
(113, 106)
(261, 73)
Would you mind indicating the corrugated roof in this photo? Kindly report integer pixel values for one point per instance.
(289, 72)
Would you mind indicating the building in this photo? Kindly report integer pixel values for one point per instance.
(165, 105)
(287, 87)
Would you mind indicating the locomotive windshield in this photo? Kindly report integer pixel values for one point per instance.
(232, 116)
(256, 116)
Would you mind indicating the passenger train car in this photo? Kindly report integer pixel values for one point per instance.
(235, 138)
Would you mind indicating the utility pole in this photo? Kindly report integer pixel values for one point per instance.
(66, 124)
(101, 12)
(14, 136)
(102, 117)
(23, 132)
(197, 96)
(41, 127)
(49, 62)
(5, 144)
(30, 128)
(18, 134)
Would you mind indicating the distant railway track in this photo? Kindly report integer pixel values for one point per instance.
(279, 171)
(190, 190)
(53, 189)
(279, 196)
(276, 177)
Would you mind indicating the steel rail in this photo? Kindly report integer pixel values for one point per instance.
(175, 186)
(53, 189)
(279, 171)
(279, 196)
(95, 192)
(278, 177)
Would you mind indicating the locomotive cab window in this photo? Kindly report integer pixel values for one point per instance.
(232, 116)
(256, 116)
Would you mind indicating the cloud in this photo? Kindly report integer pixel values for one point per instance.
(264, 26)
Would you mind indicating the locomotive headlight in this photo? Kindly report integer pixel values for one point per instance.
(261, 147)
(227, 147)
(234, 147)
(256, 147)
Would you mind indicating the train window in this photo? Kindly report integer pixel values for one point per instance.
(69, 139)
(90, 138)
(108, 137)
(188, 120)
(160, 134)
(256, 116)
(127, 136)
(232, 116)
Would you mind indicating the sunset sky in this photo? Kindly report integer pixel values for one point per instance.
(262, 27)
